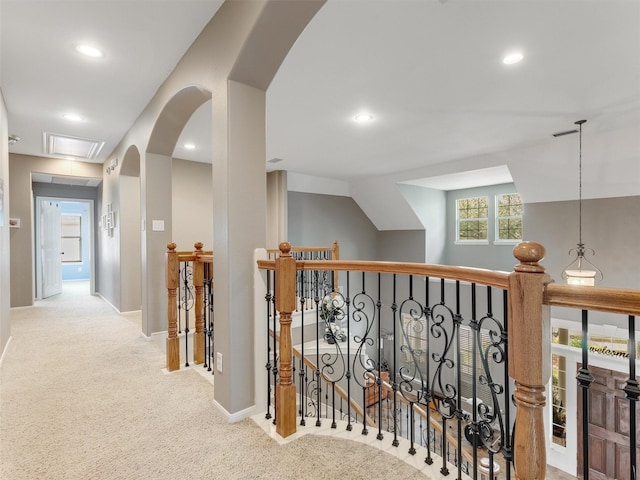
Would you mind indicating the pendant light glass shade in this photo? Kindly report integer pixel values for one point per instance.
(581, 271)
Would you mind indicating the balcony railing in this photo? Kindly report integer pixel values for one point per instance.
(453, 359)
(189, 280)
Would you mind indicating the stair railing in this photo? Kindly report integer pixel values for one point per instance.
(189, 284)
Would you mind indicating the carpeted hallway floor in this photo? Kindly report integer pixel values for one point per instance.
(83, 396)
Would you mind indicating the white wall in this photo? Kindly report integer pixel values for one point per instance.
(5, 272)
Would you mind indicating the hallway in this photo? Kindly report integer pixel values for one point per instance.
(84, 396)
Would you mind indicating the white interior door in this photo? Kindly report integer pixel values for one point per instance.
(51, 247)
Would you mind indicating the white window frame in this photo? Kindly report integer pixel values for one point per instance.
(458, 219)
(67, 235)
(498, 240)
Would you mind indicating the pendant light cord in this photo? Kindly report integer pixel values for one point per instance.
(580, 122)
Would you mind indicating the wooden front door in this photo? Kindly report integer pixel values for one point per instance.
(608, 427)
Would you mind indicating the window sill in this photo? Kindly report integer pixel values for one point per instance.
(507, 242)
(472, 242)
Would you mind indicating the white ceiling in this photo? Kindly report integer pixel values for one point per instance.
(429, 71)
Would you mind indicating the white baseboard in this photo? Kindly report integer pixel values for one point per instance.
(237, 416)
(98, 294)
(6, 347)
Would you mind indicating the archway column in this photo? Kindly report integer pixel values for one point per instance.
(239, 197)
(156, 205)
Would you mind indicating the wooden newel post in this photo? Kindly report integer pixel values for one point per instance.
(529, 359)
(198, 284)
(172, 280)
(285, 304)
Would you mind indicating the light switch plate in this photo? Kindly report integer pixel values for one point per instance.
(219, 362)
(157, 225)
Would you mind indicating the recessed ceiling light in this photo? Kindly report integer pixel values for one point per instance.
(189, 146)
(363, 117)
(72, 117)
(512, 58)
(89, 51)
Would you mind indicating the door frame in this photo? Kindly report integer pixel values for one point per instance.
(37, 286)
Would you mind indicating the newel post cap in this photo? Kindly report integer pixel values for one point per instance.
(171, 246)
(285, 249)
(198, 245)
(529, 254)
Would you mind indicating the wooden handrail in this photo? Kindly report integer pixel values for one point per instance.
(205, 256)
(464, 274)
(334, 249)
(611, 300)
(530, 294)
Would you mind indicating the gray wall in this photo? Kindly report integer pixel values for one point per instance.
(192, 205)
(611, 226)
(491, 256)
(5, 257)
(430, 206)
(319, 220)
(22, 259)
(401, 246)
(130, 244)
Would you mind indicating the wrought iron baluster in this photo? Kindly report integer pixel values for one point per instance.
(348, 375)
(508, 448)
(186, 303)
(317, 372)
(458, 412)
(428, 396)
(269, 365)
(441, 316)
(211, 322)
(632, 391)
(475, 344)
(585, 379)
(394, 384)
(205, 304)
(274, 321)
(363, 366)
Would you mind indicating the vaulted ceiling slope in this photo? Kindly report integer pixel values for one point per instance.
(429, 72)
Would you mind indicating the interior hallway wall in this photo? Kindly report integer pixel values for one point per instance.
(5, 253)
(611, 226)
(130, 245)
(20, 196)
(192, 204)
(319, 220)
(234, 58)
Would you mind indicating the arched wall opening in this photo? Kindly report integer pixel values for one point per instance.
(130, 232)
(232, 62)
(156, 201)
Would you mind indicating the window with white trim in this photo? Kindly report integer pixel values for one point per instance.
(71, 238)
(467, 339)
(508, 217)
(472, 220)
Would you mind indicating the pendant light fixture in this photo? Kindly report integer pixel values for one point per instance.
(581, 271)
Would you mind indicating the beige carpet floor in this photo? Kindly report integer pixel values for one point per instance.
(83, 396)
